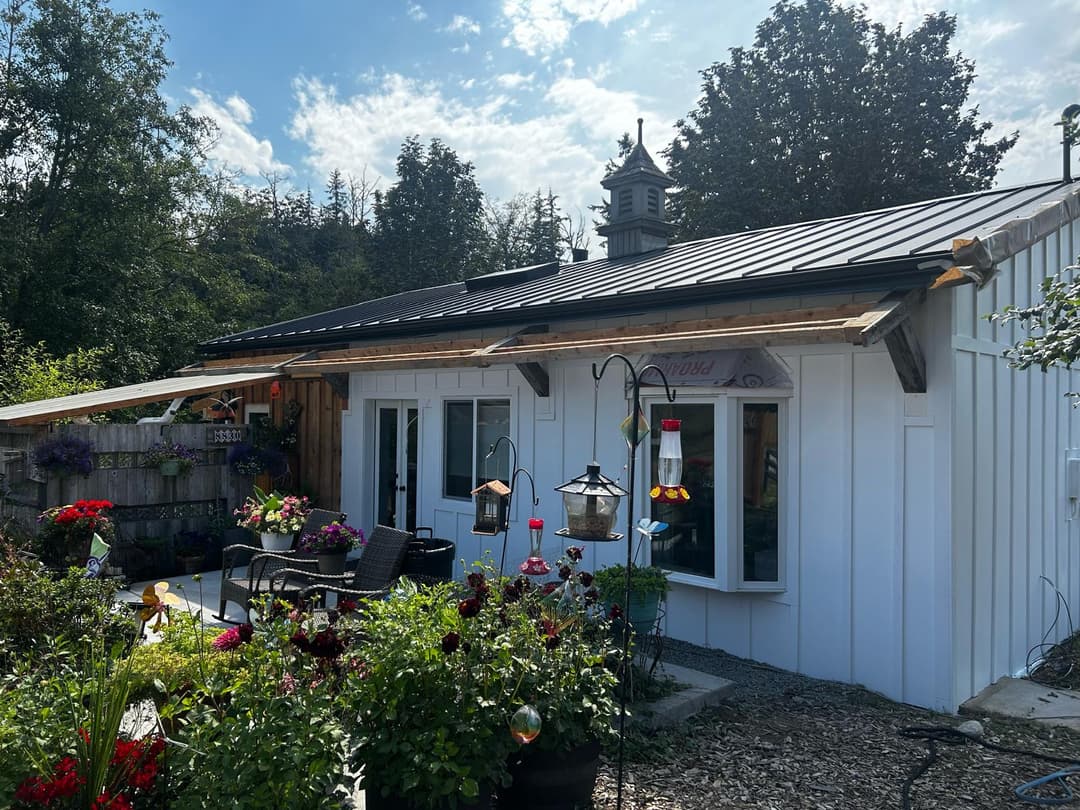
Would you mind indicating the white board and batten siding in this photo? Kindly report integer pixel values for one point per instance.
(1011, 517)
(867, 576)
(867, 556)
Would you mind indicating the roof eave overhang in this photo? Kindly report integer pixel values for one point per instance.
(897, 274)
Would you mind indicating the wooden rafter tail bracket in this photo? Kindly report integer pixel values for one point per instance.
(890, 321)
(535, 373)
(339, 384)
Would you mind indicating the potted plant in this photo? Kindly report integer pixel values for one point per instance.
(251, 460)
(65, 455)
(648, 586)
(66, 532)
(573, 694)
(171, 458)
(467, 683)
(191, 545)
(276, 517)
(330, 544)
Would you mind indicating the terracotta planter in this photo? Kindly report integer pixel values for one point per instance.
(551, 780)
(331, 562)
(272, 541)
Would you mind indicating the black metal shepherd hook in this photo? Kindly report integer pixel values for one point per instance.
(515, 471)
(633, 440)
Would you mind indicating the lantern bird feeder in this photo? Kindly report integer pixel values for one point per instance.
(493, 502)
(492, 508)
(669, 466)
(535, 565)
(592, 502)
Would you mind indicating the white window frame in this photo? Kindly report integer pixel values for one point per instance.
(478, 460)
(256, 409)
(728, 449)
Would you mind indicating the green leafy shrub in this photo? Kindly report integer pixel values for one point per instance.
(443, 675)
(35, 606)
(644, 579)
(267, 726)
(181, 662)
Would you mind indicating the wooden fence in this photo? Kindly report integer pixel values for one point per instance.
(147, 504)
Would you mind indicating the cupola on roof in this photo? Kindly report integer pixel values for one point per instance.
(636, 216)
(639, 162)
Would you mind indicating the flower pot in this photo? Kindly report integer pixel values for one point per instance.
(551, 780)
(272, 541)
(644, 608)
(170, 468)
(190, 565)
(331, 562)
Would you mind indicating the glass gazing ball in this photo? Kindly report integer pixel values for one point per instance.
(525, 725)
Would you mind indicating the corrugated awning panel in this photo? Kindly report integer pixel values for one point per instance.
(46, 410)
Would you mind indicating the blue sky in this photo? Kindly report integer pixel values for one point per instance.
(535, 92)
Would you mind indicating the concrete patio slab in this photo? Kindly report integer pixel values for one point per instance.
(1027, 700)
(700, 690)
(199, 598)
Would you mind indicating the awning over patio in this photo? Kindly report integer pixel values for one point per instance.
(529, 349)
(860, 324)
(45, 410)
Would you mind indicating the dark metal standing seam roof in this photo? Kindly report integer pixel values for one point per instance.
(870, 250)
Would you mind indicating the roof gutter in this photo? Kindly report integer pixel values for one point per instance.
(978, 258)
(895, 274)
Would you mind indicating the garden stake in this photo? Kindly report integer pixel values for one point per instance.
(632, 441)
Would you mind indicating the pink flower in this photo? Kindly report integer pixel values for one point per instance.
(232, 638)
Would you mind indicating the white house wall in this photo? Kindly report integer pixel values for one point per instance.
(866, 563)
(1012, 517)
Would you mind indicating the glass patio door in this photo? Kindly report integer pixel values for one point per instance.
(396, 455)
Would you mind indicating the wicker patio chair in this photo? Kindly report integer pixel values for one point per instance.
(241, 589)
(378, 568)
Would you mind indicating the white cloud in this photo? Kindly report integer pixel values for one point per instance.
(416, 12)
(985, 31)
(512, 81)
(564, 147)
(236, 146)
(461, 24)
(543, 26)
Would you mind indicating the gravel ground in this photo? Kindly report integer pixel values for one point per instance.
(784, 741)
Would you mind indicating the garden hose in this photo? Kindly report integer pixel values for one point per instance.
(933, 735)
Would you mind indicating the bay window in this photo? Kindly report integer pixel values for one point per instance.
(729, 534)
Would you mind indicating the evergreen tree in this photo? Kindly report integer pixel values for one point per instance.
(828, 113)
(429, 226)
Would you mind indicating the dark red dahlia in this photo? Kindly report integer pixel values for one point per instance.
(469, 607)
(450, 642)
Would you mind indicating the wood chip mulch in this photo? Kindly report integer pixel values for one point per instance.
(785, 742)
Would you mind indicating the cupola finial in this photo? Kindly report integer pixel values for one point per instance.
(640, 121)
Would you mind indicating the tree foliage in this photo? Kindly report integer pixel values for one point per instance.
(1053, 325)
(429, 226)
(29, 373)
(825, 114)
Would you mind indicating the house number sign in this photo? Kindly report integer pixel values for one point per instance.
(226, 435)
